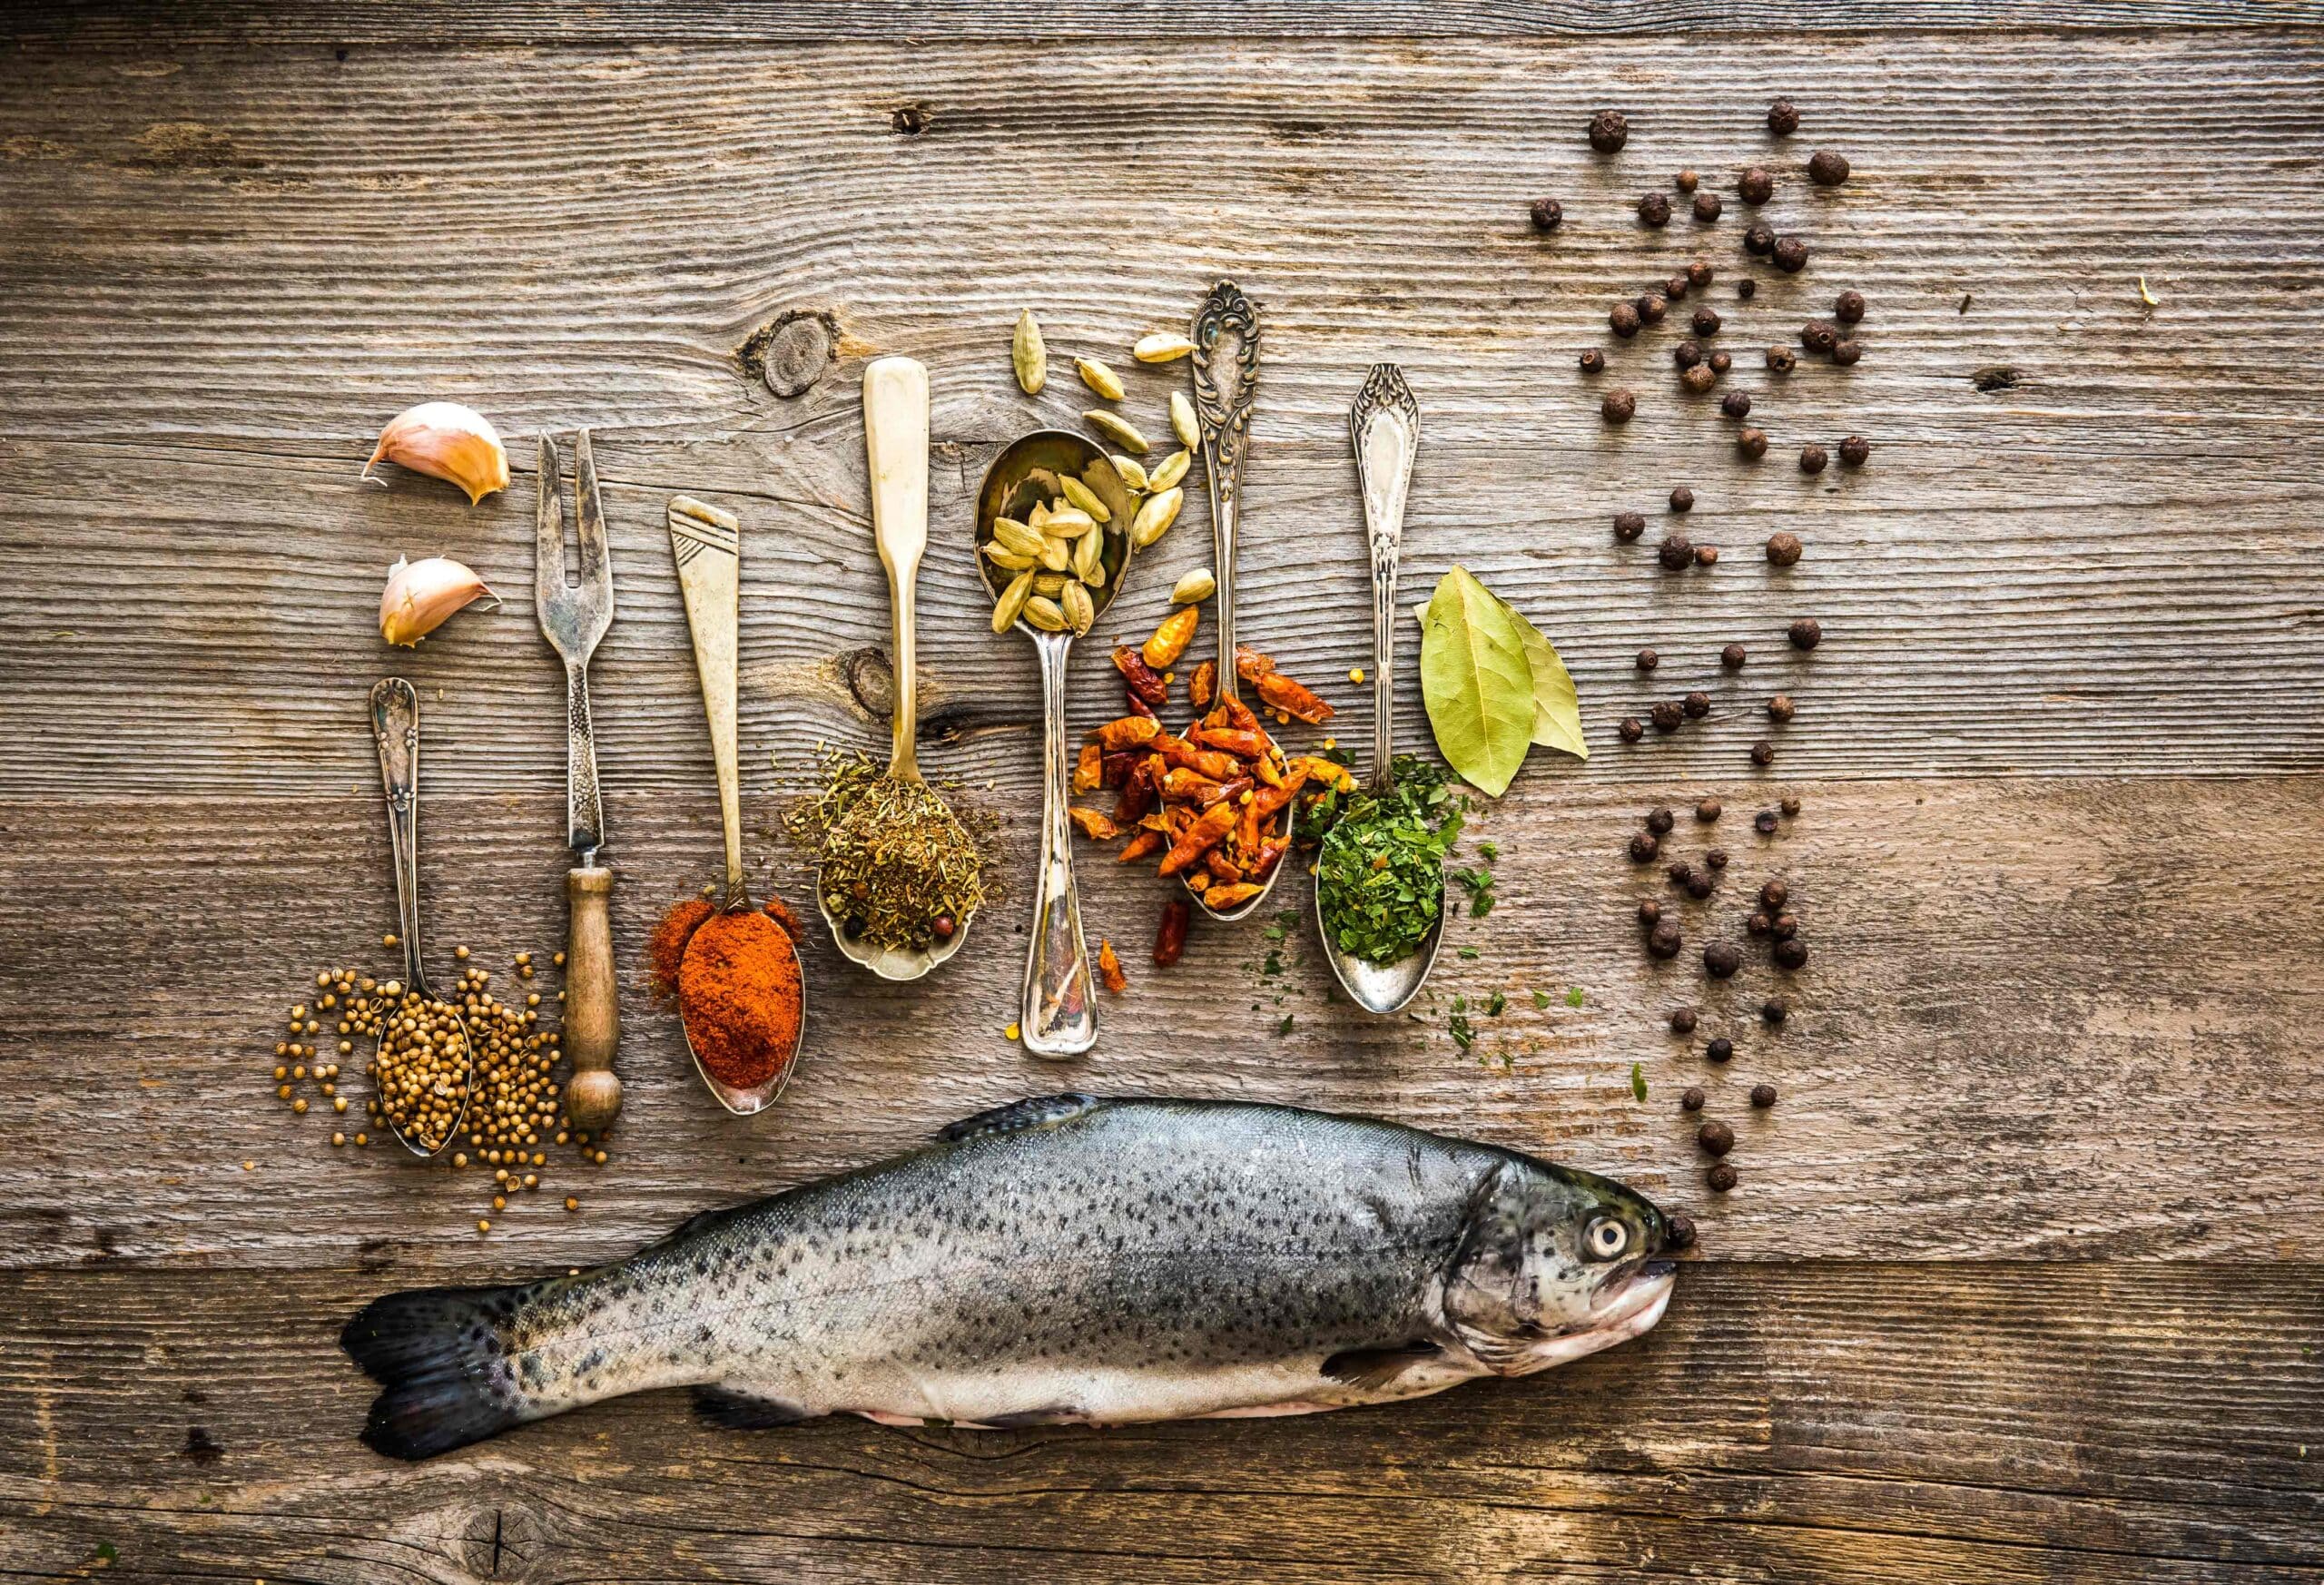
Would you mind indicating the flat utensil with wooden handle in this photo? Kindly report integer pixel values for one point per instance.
(573, 617)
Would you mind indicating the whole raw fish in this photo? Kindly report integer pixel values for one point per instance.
(1060, 1259)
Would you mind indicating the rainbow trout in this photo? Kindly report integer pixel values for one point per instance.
(1062, 1259)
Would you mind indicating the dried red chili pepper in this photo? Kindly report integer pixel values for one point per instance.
(1137, 797)
(1207, 832)
(1204, 683)
(1170, 940)
(1144, 844)
(1127, 732)
(1293, 699)
(1141, 678)
(1138, 706)
(1093, 825)
(1089, 767)
(1109, 968)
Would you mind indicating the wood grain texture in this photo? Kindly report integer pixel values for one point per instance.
(2077, 1423)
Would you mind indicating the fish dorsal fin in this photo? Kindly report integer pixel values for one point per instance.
(1039, 1111)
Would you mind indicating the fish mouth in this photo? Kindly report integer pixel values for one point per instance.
(1628, 1307)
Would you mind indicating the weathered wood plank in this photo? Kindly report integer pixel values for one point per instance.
(2080, 1422)
(2041, 1019)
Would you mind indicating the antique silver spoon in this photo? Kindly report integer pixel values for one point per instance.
(1384, 428)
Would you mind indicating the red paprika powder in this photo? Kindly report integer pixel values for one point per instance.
(739, 994)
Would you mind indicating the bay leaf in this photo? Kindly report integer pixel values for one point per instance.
(1556, 708)
(1477, 682)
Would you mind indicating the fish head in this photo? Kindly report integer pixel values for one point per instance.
(1554, 1264)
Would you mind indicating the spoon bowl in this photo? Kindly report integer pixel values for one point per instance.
(743, 1102)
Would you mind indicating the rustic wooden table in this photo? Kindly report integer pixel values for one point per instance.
(2025, 1279)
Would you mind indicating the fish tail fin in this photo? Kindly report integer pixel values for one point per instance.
(442, 1357)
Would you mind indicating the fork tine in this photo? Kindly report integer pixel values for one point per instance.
(548, 527)
(596, 570)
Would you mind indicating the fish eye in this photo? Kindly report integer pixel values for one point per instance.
(1607, 1237)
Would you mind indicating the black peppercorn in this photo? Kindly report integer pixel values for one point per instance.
(1790, 255)
(1817, 335)
(1791, 954)
(1764, 822)
(1706, 555)
(1720, 959)
(1716, 858)
(1628, 526)
(1783, 118)
(1664, 940)
(1624, 320)
(1643, 847)
(1719, 363)
(1666, 715)
(1779, 708)
(1659, 819)
(1707, 206)
(1763, 753)
(1699, 378)
(1682, 1021)
(1593, 361)
(1847, 352)
(1687, 353)
(1784, 926)
(1648, 660)
(1682, 499)
(1654, 209)
(1692, 1100)
(1736, 404)
(1763, 1095)
(1675, 286)
(1609, 131)
(1807, 633)
(1774, 895)
(1812, 458)
(1705, 322)
(1849, 307)
(1720, 1177)
(1685, 180)
(1547, 213)
(1719, 1050)
(1629, 729)
(1700, 273)
(1716, 1139)
(1697, 705)
(1759, 239)
(1679, 1231)
(1780, 359)
(1752, 443)
(1708, 810)
(1680, 872)
(1855, 449)
(1790, 807)
(1773, 1013)
(1616, 407)
(1828, 170)
(1677, 553)
(1733, 656)
(1783, 549)
(1700, 883)
(1757, 185)
(1746, 289)
(1652, 306)
(1759, 924)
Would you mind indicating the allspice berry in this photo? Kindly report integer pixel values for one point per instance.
(1547, 213)
(1682, 499)
(1790, 807)
(1659, 820)
(1716, 1139)
(1682, 1021)
(1609, 131)
(1763, 1095)
(1757, 185)
(1807, 633)
(1699, 883)
(1783, 118)
(1772, 1013)
(1790, 255)
(1706, 320)
(1692, 1099)
(1630, 729)
(1674, 287)
(1617, 407)
(1679, 1231)
(1779, 708)
(1736, 404)
(1758, 239)
(1652, 306)
(1624, 320)
(1706, 555)
(1791, 954)
(1677, 553)
(1784, 926)
(1708, 810)
(1643, 847)
(1699, 275)
(1849, 307)
(1719, 362)
(1855, 449)
(1628, 526)
(1648, 660)
(1763, 753)
(1685, 180)
(1699, 378)
(1848, 352)
(1752, 443)
(1828, 170)
(1720, 1177)
(1697, 705)
(1721, 960)
(1664, 940)
(1667, 716)
(1687, 353)
(1812, 457)
(1780, 360)
(1764, 822)
(1774, 895)
(1759, 924)
(1746, 289)
(1733, 656)
(1707, 206)
(1716, 858)
(1654, 209)
(1719, 1050)
(1783, 549)
(1817, 335)
(1593, 361)
(1650, 913)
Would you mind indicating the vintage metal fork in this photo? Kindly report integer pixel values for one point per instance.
(573, 618)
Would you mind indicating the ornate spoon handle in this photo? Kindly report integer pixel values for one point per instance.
(1384, 428)
(1227, 379)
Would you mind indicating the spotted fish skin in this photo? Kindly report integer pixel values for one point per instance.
(1061, 1259)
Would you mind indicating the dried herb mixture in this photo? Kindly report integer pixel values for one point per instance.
(898, 868)
(1380, 871)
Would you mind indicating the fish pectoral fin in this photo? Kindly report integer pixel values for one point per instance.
(1022, 1417)
(745, 1411)
(1371, 1369)
(1037, 1112)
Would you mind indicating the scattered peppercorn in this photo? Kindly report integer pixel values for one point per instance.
(1849, 307)
(1719, 363)
(1720, 959)
(1643, 847)
(1697, 705)
(1774, 895)
(1721, 1177)
(1764, 822)
(1706, 555)
(1692, 1100)
(1855, 449)
(1664, 940)
(1773, 1013)
(1763, 1095)
(1752, 443)
(1685, 180)
(1705, 322)
(1790, 806)
(1547, 213)
(1617, 407)
(1699, 883)
(1709, 810)
(1790, 255)
(1699, 379)
(1783, 549)
(1763, 753)
(1716, 1139)
(1682, 499)
(1828, 170)
(1759, 924)
(1679, 1231)
(1783, 118)
(1659, 820)
(1629, 729)
(1719, 1050)
(1807, 633)
(1676, 551)
(1650, 913)
(1716, 858)
(1680, 872)
(1707, 206)
(1648, 660)
(1654, 209)
(1666, 715)
(1699, 275)
(1687, 353)
(1683, 1020)
(1757, 186)
(1652, 306)
(1746, 289)
(1812, 458)
(1624, 320)
(1780, 359)
(1817, 335)
(1791, 954)
(1628, 526)
(1785, 926)
(1593, 361)
(1609, 131)
(1759, 239)
(1675, 286)
(1848, 352)
(1779, 708)
(1736, 404)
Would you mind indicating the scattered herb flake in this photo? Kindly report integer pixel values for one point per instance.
(1638, 1082)
(1463, 1035)
(107, 1552)
(1459, 1004)
(1541, 999)
(1273, 965)
(1468, 954)
(1479, 884)
(1489, 852)
(1574, 997)
(1283, 1027)
(1497, 1005)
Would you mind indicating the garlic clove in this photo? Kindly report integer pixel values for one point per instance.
(421, 594)
(448, 441)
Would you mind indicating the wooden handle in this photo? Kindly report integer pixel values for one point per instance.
(592, 1014)
(895, 443)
